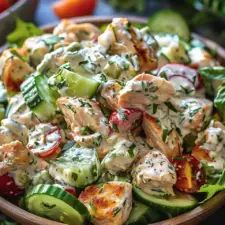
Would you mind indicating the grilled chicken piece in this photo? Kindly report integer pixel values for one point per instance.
(109, 203)
(117, 38)
(13, 69)
(201, 58)
(109, 94)
(72, 32)
(122, 38)
(168, 143)
(211, 145)
(154, 174)
(6, 136)
(143, 90)
(20, 112)
(146, 47)
(83, 114)
(17, 130)
(121, 156)
(38, 47)
(196, 112)
(13, 155)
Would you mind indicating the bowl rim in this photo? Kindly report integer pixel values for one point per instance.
(191, 217)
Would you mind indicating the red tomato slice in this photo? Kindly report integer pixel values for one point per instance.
(45, 143)
(190, 175)
(8, 187)
(72, 8)
(71, 190)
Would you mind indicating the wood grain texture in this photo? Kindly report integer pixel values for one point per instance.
(192, 217)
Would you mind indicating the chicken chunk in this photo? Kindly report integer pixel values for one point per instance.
(109, 203)
(83, 114)
(15, 130)
(117, 38)
(201, 58)
(109, 94)
(196, 113)
(121, 156)
(168, 142)
(6, 136)
(38, 47)
(122, 38)
(72, 32)
(13, 156)
(212, 142)
(20, 112)
(13, 69)
(154, 174)
(143, 90)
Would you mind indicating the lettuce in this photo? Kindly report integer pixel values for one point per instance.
(209, 190)
(213, 77)
(219, 100)
(22, 31)
(213, 73)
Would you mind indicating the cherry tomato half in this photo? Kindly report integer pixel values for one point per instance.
(45, 140)
(72, 8)
(190, 175)
(8, 187)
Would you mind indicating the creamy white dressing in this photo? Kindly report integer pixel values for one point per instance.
(201, 58)
(43, 138)
(215, 145)
(154, 173)
(121, 156)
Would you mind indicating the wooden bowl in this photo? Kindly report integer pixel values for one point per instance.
(23, 8)
(192, 217)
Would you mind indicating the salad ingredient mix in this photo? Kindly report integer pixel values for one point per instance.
(123, 126)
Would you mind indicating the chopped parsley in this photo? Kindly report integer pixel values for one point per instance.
(131, 150)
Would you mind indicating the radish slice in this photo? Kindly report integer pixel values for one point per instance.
(170, 70)
(182, 85)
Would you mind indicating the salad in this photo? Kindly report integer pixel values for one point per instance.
(121, 125)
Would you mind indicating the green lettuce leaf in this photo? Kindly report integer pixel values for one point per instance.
(213, 73)
(213, 77)
(211, 189)
(22, 31)
(219, 101)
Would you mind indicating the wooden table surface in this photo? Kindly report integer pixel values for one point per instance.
(44, 15)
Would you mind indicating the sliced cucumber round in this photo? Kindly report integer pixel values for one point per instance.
(53, 202)
(142, 214)
(171, 205)
(169, 21)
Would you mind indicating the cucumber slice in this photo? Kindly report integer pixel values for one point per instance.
(169, 21)
(73, 84)
(53, 202)
(142, 215)
(171, 205)
(39, 97)
(77, 167)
